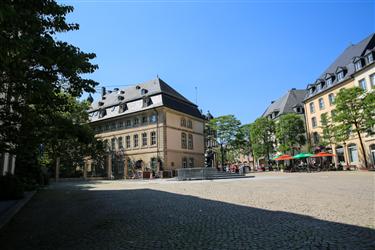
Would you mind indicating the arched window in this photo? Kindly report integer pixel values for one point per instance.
(183, 140)
(183, 122)
(353, 153)
(190, 141)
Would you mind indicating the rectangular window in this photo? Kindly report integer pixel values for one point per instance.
(153, 138)
(340, 76)
(144, 119)
(113, 144)
(372, 80)
(358, 65)
(127, 141)
(190, 141)
(370, 58)
(312, 107)
(135, 140)
(184, 162)
(191, 162)
(329, 81)
(144, 139)
(189, 124)
(106, 144)
(321, 103)
(120, 124)
(113, 126)
(183, 122)
(136, 121)
(120, 143)
(152, 118)
(362, 84)
(331, 99)
(183, 140)
(128, 123)
(313, 122)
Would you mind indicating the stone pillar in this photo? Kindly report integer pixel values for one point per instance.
(6, 163)
(346, 156)
(57, 170)
(109, 166)
(13, 164)
(335, 158)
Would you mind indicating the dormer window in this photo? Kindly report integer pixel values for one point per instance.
(358, 65)
(340, 76)
(122, 107)
(370, 58)
(102, 113)
(101, 103)
(137, 87)
(312, 90)
(120, 98)
(147, 102)
(144, 91)
(329, 81)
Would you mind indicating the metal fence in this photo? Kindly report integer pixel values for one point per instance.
(195, 173)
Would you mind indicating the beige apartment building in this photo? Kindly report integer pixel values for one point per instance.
(149, 126)
(354, 67)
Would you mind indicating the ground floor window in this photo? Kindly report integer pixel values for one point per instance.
(184, 162)
(372, 152)
(191, 162)
(340, 154)
(353, 153)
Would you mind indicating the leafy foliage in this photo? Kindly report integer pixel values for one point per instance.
(354, 113)
(262, 135)
(226, 128)
(39, 78)
(290, 132)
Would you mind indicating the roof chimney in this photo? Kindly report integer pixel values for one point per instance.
(103, 91)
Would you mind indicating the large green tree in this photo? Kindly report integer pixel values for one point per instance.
(354, 113)
(290, 132)
(226, 128)
(242, 142)
(262, 135)
(35, 68)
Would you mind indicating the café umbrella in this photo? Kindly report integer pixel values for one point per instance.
(323, 154)
(283, 158)
(302, 155)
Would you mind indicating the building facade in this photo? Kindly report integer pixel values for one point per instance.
(354, 67)
(289, 103)
(149, 125)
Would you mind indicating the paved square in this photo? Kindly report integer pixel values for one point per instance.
(328, 210)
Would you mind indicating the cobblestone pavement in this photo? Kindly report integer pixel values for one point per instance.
(271, 211)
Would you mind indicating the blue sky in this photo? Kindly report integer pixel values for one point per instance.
(240, 55)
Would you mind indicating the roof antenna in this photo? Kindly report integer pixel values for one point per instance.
(157, 76)
(196, 95)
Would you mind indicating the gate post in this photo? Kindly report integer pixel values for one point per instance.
(109, 166)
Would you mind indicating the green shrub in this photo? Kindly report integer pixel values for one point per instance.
(11, 187)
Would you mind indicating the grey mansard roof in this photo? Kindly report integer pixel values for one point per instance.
(286, 103)
(345, 62)
(160, 93)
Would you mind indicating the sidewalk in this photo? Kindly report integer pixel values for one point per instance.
(10, 208)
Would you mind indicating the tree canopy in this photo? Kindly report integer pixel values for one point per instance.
(39, 77)
(262, 135)
(290, 132)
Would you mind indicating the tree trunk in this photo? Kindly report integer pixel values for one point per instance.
(57, 170)
(362, 147)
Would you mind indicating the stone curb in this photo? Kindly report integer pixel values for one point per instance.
(11, 212)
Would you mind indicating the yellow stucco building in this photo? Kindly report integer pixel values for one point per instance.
(150, 125)
(354, 67)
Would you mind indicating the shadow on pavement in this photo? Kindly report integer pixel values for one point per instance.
(74, 217)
